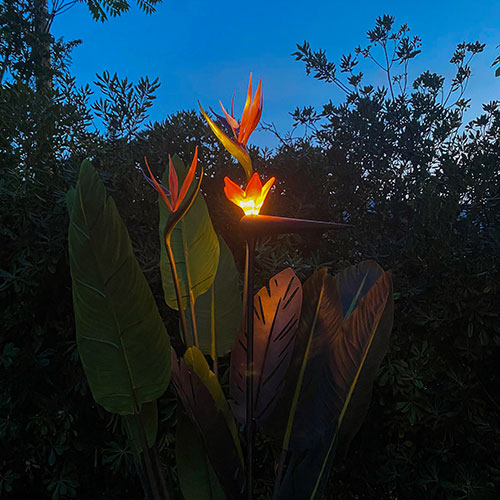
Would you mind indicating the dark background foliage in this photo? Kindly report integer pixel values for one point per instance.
(421, 187)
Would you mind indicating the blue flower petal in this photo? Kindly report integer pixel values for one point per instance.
(165, 190)
(223, 122)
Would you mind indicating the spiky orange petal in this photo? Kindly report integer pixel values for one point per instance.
(188, 179)
(173, 183)
(232, 191)
(254, 187)
(251, 116)
(252, 198)
(267, 186)
(247, 102)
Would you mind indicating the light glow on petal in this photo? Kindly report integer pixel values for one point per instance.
(252, 198)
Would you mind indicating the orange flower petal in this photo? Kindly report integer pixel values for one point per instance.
(157, 186)
(188, 180)
(173, 183)
(265, 189)
(252, 198)
(247, 102)
(232, 122)
(253, 116)
(254, 187)
(233, 191)
(235, 149)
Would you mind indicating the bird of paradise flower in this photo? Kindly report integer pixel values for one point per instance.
(242, 130)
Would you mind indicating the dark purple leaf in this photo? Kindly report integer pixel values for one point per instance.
(204, 402)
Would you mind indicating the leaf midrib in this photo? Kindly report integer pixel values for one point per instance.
(105, 286)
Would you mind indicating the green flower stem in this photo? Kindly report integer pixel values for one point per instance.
(177, 286)
(171, 223)
(279, 476)
(190, 293)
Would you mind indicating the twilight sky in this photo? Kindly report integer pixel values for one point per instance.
(204, 50)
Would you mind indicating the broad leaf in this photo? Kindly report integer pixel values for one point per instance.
(218, 311)
(70, 199)
(310, 407)
(197, 478)
(357, 354)
(123, 344)
(303, 471)
(331, 406)
(206, 405)
(276, 318)
(194, 244)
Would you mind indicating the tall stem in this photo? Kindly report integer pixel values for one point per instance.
(279, 475)
(250, 420)
(190, 289)
(147, 458)
(159, 471)
(177, 287)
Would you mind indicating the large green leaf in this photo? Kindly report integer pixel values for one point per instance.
(207, 407)
(194, 244)
(218, 311)
(197, 478)
(334, 383)
(123, 344)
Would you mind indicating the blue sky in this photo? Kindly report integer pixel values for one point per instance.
(204, 50)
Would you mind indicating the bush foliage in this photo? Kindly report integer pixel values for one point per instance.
(421, 187)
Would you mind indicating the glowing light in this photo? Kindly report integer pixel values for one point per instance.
(251, 199)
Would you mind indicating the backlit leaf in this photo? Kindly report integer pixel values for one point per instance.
(276, 318)
(123, 344)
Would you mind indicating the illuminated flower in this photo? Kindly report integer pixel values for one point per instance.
(252, 198)
(176, 197)
(242, 129)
